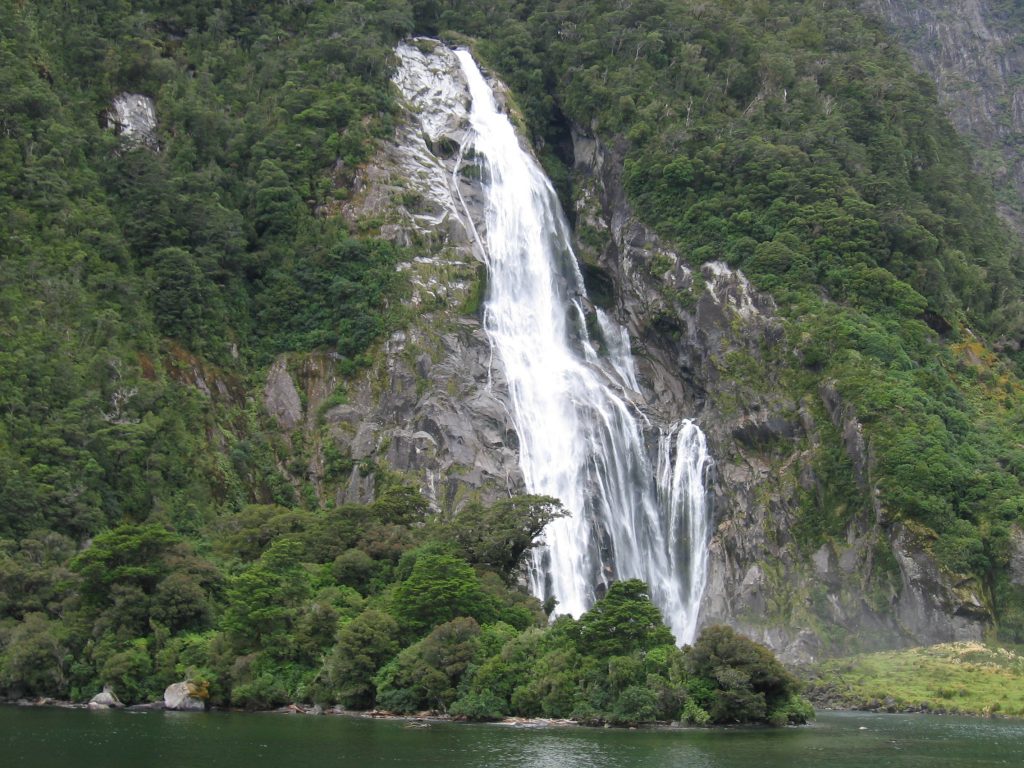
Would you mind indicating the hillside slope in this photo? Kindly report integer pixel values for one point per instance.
(249, 326)
(973, 52)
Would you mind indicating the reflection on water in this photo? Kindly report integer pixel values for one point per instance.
(45, 738)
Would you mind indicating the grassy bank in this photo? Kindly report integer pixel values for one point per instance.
(964, 678)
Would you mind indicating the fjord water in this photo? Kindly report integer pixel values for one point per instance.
(583, 435)
(52, 738)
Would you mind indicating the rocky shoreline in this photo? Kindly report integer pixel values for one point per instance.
(424, 718)
(822, 699)
(416, 720)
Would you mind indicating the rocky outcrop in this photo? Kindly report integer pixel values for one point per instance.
(105, 699)
(188, 369)
(280, 397)
(440, 417)
(928, 608)
(185, 696)
(433, 405)
(975, 55)
(132, 116)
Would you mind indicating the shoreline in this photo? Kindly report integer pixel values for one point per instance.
(301, 709)
(416, 720)
(426, 718)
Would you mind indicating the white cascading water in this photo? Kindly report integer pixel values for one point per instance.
(580, 429)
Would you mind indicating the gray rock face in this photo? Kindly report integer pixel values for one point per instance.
(1017, 556)
(182, 697)
(280, 397)
(411, 183)
(133, 117)
(975, 55)
(433, 406)
(927, 608)
(444, 422)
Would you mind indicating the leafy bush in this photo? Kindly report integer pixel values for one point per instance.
(439, 589)
(693, 713)
(623, 621)
(481, 706)
(364, 645)
(426, 675)
(265, 692)
(734, 679)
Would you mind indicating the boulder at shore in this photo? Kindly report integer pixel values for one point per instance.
(105, 700)
(184, 697)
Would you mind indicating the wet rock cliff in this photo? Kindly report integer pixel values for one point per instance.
(433, 406)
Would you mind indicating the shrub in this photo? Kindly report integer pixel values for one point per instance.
(481, 706)
(264, 692)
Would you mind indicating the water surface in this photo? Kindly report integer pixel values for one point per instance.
(77, 738)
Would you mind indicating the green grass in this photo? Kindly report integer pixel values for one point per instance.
(965, 678)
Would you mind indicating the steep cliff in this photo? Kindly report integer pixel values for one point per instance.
(974, 52)
(707, 345)
(722, 355)
(433, 405)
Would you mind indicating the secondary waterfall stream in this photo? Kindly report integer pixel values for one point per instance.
(575, 399)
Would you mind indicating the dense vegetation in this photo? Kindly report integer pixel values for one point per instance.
(124, 267)
(365, 607)
(151, 524)
(143, 289)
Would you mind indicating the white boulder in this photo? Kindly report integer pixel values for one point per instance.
(105, 699)
(185, 696)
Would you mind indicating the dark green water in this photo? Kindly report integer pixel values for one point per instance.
(71, 738)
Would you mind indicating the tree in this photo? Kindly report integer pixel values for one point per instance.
(129, 673)
(500, 535)
(441, 588)
(35, 659)
(426, 675)
(264, 600)
(735, 679)
(181, 603)
(129, 555)
(364, 645)
(137, 573)
(354, 568)
(246, 534)
(277, 204)
(400, 504)
(623, 621)
(182, 296)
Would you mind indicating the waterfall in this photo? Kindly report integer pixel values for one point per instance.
(575, 400)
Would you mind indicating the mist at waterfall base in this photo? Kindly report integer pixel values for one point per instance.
(575, 400)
